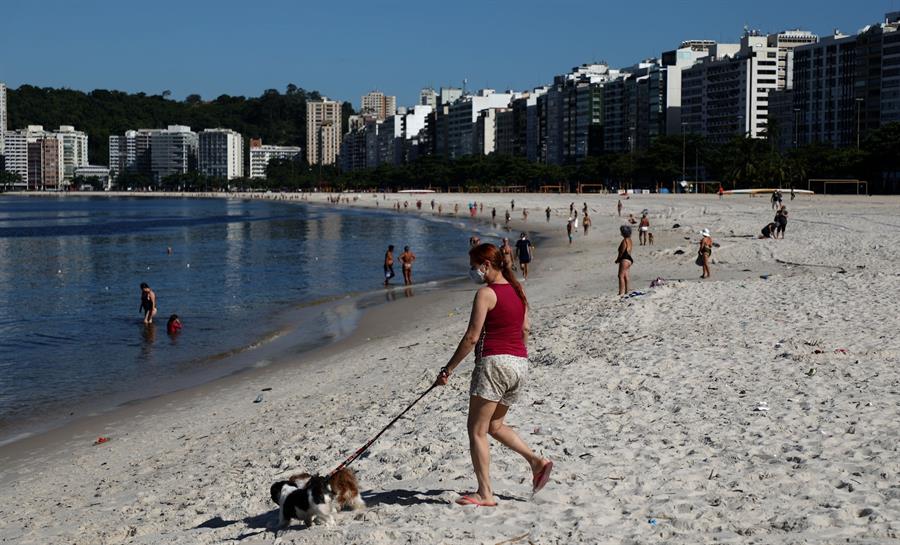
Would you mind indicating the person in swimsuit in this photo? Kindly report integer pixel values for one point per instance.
(507, 253)
(569, 229)
(525, 252)
(769, 230)
(474, 241)
(524, 214)
(148, 303)
(706, 245)
(493, 215)
(389, 264)
(547, 212)
(498, 332)
(406, 259)
(643, 229)
(624, 259)
(512, 204)
(507, 218)
(586, 222)
(619, 207)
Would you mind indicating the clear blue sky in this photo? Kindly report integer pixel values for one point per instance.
(344, 49)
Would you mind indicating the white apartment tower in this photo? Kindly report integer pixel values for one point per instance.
(2, 117)
(378, 104)
(428, 97)
(172, 151)
(260, 155)
(221, 154)
(323, 131)
(75, 150)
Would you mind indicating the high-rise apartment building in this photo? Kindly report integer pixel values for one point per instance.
(260, 155)
(16, 157)
(462, 116)
(449, 95)
(131, 152)
(221, 154)
(36, 156)
(2, 117)
(378, 104)
(172, 151)
(323, 131)
(75, 150)
(428, 97)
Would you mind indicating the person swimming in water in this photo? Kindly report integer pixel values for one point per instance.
(173, 326)
(148, 303)
(624, 259)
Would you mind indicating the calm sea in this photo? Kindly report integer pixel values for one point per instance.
(70, 268)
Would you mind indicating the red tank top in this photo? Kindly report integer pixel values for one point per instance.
(503, 324)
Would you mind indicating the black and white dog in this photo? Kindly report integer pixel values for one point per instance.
(312, 502)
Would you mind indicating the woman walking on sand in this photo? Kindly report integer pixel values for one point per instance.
(624, 259)
(705, 251)
(498, 332)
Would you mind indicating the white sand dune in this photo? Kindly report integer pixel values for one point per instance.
(738, 409)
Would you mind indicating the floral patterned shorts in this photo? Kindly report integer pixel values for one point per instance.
(499, 378)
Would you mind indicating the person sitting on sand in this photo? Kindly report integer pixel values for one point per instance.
(406, 260)
(148, 303)
(173, 326)
(705, 251)
(498, 332)
(624, 259)
(769, 230)
(631, 219)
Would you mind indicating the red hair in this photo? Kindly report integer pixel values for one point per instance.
(489, 253)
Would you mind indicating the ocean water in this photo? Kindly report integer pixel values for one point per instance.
(240, 272)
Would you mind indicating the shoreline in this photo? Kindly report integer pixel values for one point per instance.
(648, 405)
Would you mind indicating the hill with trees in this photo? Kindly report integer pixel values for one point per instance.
(277, 118)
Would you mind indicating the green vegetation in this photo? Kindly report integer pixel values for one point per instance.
(275, 117)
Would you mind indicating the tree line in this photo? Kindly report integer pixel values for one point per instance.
(277, 118)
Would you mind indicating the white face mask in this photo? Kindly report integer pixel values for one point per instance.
(476, 275)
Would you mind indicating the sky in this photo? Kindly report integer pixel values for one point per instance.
(344, 49)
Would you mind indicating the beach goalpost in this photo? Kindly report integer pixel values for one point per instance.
(583, 187)
(704, 184)
(551, 188)
(511, 188)
(838, 182)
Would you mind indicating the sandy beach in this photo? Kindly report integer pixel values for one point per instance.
(759, 406)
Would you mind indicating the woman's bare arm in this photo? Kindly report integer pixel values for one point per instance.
(485, 298)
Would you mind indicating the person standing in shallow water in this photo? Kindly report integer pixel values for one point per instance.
(547, 211)
(498, 332)
(406, 260)
(624, 259)
(389, 264)
(524, 252)
(148, 303)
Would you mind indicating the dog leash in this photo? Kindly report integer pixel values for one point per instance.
(365, 447)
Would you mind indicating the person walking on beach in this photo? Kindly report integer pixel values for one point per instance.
(432, 205)
(507, 252)
(524, 253)
(148, 303)
(388, 264)
(584, 209)
(498, 332)
(624, 259)
(512, 204)
(507, 218)
(547, 212)
(586, 222)
(705, 252)
(493, 215)
(644, 229)
(406, 261)
(619, 208)
(569, 229)
(792, 193)
(524, 214)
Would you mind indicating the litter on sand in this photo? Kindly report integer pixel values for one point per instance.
(101, 440)
(762, 407)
